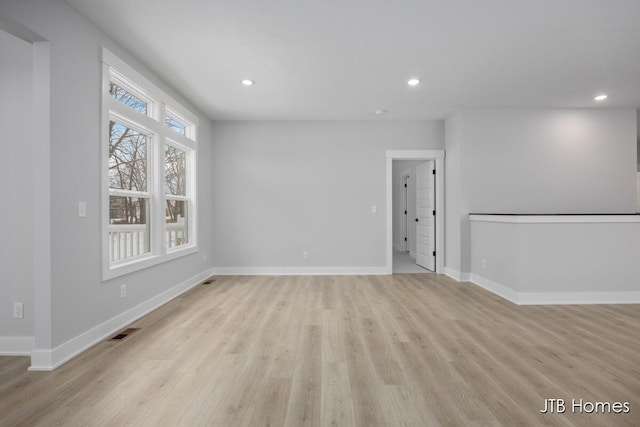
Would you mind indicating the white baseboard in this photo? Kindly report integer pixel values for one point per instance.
(495, 288)
(48, 360)
(571, 298)
(456, 275)
(300, 271)
(16, 346)
(555, 298)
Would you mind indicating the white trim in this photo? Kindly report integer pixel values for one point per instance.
(414, 154)
(555, 219)
(564, 298)
(495, 288)
(300, 271)
(456, 275)
(146, 261)
(554, 298)
(438, 157)
(16, 346)
(48, 360)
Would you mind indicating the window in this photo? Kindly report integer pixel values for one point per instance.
(175, 125)
(149, 158)
(176, 196)
(125, 97)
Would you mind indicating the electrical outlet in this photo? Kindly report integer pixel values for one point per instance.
(123, 291)
(18, 310)
(82, 209)
(484, 263)
(305, 255)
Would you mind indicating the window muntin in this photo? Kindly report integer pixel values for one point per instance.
(148, 212)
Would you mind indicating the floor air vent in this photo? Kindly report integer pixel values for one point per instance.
(124, 334)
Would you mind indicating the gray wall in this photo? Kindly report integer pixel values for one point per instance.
(559, 257)
(16, 176)
(457, 226)
(638, 137)
(536, 161)
(550, 161)
(282, 188)
(80, 300)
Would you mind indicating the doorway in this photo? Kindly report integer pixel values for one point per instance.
(413, 204)
(436, 158)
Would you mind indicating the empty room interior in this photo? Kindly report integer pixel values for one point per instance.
(244, 213)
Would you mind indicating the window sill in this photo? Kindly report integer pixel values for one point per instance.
(140, 263)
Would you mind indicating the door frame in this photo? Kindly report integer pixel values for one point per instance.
(438, 157)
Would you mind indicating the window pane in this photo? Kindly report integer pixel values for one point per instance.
(176, 218)
(128, 227)
(175, 125)
(127, 158)
(175, 176)
(127, 98)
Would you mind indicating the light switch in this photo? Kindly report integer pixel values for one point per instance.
(374, 209)
(82, 209)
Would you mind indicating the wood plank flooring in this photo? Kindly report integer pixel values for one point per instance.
(401, 350)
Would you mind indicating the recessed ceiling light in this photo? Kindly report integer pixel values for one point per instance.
(413, 82)
(247, 82)
(600, 97)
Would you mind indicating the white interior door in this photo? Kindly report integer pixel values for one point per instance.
(425, 215)
(405, 223)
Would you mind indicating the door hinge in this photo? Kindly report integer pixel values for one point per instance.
(434, 171)
(405, 239)
(405, 212)
(405, 186)
(434, 253)
(434, 213)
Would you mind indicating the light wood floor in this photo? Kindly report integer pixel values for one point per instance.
(414, 350)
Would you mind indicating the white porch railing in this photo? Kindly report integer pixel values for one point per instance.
(129, 240)
(176, 233)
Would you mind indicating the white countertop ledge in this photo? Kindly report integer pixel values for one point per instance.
(555, 219)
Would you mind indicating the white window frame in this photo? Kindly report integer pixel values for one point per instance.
(158, 105)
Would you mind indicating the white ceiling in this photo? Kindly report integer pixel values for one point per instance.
(343, 59)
